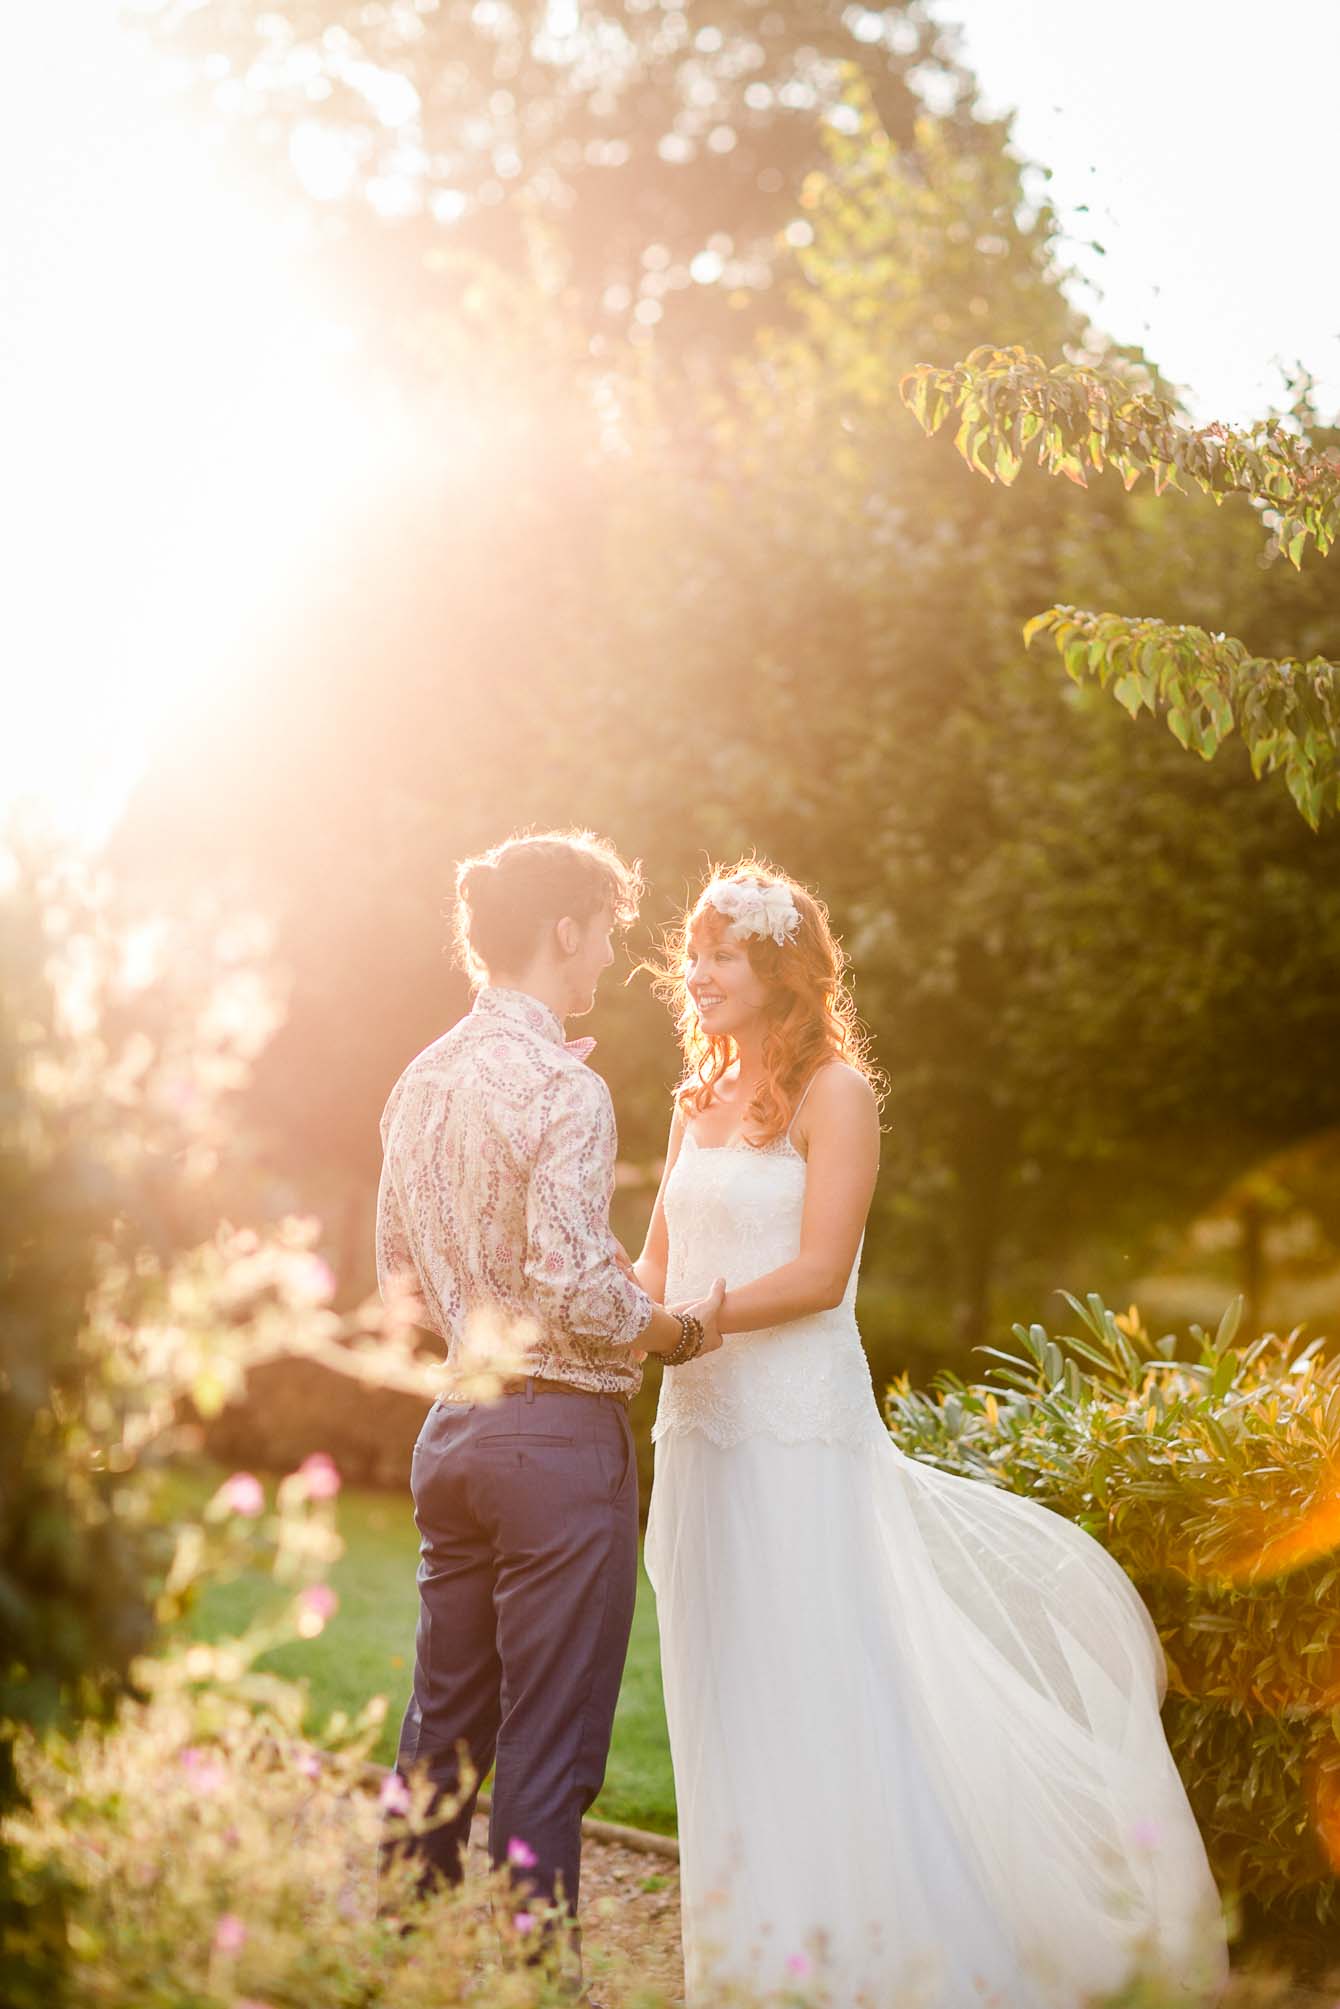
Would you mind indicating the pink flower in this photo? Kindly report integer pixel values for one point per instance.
(798, 1964)
(243, 1494)
(320, 1476)
(230, 1934)
(520, 1854)
(394, 1796)
(311, 1279)
(309, 1764)
(206, 1774)
(523, 1921)
(319, 1599)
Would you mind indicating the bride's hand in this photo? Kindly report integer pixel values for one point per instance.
(623, 1259)
(708, 1310)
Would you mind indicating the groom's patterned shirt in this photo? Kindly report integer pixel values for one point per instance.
(493, 1208)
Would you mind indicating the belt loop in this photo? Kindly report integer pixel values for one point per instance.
(530, 1388)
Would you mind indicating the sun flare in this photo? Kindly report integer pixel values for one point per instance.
(182, 421)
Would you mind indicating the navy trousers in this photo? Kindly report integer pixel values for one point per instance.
(527, 1513)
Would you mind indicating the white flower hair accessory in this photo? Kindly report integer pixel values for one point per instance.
(754, 909)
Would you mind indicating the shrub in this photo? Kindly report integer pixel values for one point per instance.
(1211, 1473)
(212, 1858)
(218, 1862)
(119, 1044)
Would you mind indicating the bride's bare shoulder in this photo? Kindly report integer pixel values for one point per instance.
(839, 1101)
(839, 1085)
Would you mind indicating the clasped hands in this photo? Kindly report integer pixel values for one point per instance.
(706, 1310)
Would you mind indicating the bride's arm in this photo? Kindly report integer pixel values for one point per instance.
(650, 1267)
(842, 1126)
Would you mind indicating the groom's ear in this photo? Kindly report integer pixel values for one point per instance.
(568, 935)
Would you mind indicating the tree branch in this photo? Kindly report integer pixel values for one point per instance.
(1206, 686)
(1084, 420)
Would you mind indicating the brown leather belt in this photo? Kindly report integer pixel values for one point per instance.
(540, 1384)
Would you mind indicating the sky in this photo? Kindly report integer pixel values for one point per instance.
(165, 392)
(180, 425)
(1196, 141)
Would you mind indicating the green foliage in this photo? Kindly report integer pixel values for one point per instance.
(212, 1856)
(608, 157)
(1082, 420)
(1207, 685)
(754, 610)
(76, 1557)
(70, 1567)
(368, 1647)
(235, 1867)
(118, 1047)
(1210, 1472)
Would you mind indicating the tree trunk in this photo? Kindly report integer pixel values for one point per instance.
(987, 1147)
(1252, 1262)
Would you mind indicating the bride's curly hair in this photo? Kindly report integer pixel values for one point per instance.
(810, 1010)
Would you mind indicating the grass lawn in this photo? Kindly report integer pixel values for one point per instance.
(368, 1647)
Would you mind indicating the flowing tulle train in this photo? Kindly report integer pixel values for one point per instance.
(914, 1719)
(916, 1737)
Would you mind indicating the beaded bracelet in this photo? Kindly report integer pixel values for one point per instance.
(689, 1343)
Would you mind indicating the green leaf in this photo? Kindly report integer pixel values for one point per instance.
(1221, 712)
(1129, 692)
(1229, 1323)
(1008, 462)
(1224, 1373)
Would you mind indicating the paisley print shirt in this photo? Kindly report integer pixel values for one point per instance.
(499, 1147)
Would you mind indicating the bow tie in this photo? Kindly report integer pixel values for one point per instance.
(582, 1048)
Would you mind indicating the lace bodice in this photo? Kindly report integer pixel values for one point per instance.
(734, 1210)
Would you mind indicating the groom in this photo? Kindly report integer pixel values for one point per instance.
(493, 1209)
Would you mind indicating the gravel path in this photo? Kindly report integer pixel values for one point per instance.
(629, 1908)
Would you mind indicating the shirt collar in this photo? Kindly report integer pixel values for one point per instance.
(520, 1008)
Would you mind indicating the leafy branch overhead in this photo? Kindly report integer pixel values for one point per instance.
(1081, 421)
(1085, 420)
(1204, 685)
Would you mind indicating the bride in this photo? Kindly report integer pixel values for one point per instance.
(914, 1719)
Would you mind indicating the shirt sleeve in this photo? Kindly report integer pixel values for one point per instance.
(398, 1277)
(571, 1262)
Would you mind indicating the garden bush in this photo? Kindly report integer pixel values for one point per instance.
(169, 1839)
(1212, 1473)
(213, 1857)
(121, 1039)
(216, 1860)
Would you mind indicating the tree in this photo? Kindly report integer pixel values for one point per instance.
(705, 616)
(642, 160)
(1205, 685)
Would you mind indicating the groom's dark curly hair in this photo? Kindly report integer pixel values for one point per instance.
(508, 897)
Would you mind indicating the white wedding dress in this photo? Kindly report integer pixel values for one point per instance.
(914, 1719)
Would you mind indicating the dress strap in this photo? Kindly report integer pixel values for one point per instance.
(803, 1093)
